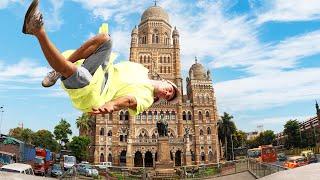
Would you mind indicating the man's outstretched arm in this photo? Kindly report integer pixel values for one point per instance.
(115, 105)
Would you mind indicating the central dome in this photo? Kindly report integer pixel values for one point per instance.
(155, 13)
(197, 71)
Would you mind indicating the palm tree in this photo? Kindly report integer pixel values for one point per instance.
(226, 128)
(84, 124)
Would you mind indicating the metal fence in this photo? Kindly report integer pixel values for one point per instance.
(263, 169)
(202, 171)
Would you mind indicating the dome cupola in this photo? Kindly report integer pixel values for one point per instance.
(197, 71)
(155, 13)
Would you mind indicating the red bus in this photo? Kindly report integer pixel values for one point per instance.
(265, 153)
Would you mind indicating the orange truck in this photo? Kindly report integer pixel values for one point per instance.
(42, 161)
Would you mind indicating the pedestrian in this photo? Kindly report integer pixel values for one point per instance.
(94, 84)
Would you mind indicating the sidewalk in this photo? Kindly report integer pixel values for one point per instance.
(239, 176)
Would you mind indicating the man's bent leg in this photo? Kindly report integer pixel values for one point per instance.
(53, 56)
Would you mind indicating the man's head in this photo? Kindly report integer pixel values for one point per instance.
(165, 90)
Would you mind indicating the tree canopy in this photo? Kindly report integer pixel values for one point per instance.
(62, 131)
(292, 133)
(79, 146)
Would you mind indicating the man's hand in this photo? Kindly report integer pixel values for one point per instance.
(108, 107)
(116, 105)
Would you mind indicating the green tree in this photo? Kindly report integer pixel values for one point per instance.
(266, 137)
(44, 138)
(226, 128)
(79, 147)
(24, 135)
(292, 132)
(84, 124)
(62, 131)
(239, 139)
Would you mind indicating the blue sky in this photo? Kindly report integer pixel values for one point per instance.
(264, 55)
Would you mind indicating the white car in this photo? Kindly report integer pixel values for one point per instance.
(18, 168)
(68, 162)
(104, 165)
(87, 170)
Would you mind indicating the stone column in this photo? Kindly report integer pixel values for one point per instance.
(153, 160)
(129, 153)
(188, 160)
(174, 159)
(143, 156)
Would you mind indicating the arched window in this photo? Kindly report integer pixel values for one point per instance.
(126, 116)
(150, 115)
(109, 158)
(121, 116)
(169, 69)
(169, 60)
(160, 59)
(138, 117)
(140, 59)
(173, 115)
(144, 59)
(102, 131)
(203, 157)
(165, 59)
(193, 156)
(200, 116)
(149, 59)
(184, 116)
(189, 115)
(155, 115)
(144, 115)
(207, 115)
(167, 115)
(208, 130)
(102, 157)
(109, 133)
(201, 132)
(153, 38)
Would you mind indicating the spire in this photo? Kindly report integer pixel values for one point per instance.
(196, 59)
(317, 107)
(155, 2)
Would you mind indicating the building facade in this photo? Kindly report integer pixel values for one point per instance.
(131, 141)
(309, 130)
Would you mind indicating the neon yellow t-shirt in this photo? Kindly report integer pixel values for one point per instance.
(124, 79)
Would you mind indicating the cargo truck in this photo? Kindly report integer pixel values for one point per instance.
(42, 161)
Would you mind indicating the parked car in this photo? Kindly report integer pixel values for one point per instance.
(104, 165)
(18, 168)
(281, 157)
(295, 161)
(87, 170)
(56, 170)
(311, 157)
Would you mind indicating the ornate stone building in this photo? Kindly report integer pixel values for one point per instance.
(132, 141)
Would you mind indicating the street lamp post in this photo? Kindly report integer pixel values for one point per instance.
(232, 148)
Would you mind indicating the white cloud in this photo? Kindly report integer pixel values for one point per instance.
(25, 70)
(53, 20)
(288, 10)
(268, 90)
(120, 11)
(5, 3)
(267, 58)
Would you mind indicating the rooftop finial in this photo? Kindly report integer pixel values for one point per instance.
(155, 2)
(196, 59)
